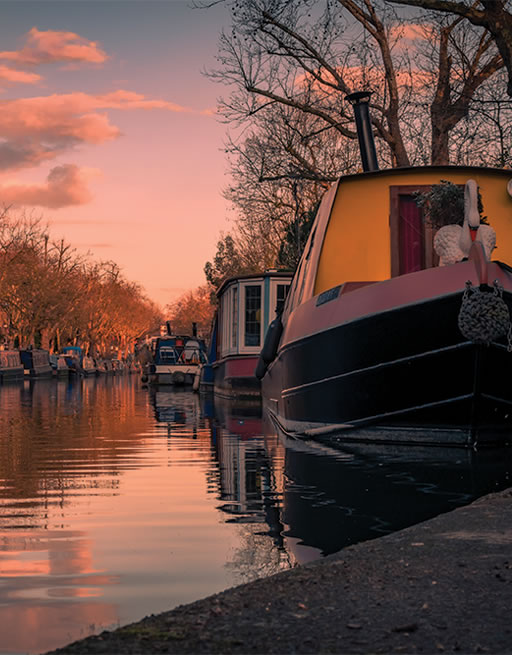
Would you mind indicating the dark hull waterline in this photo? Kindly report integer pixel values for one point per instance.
(404, 375)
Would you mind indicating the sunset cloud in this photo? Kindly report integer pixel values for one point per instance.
(12, 75)
(20, 153)
(363, 77)
(412, 32)
(122, 99)
(96, 246)
(33, 130)
(65, 185)
(42, 47)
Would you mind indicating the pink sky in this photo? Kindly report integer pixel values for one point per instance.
(107, 130)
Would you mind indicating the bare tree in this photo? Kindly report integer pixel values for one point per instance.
(50, 296)
(492, 15)
(289, 65)
(192, 307)
(307, 56)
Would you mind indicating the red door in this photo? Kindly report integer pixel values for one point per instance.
(411, 236)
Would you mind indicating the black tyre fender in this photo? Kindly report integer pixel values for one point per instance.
(272, 339)
(261, 368)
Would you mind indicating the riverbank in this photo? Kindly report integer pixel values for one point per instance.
(444, 585)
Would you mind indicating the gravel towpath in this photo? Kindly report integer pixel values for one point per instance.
(441, 586)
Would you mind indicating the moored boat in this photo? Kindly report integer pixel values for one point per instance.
(11, 367)
(377, 341)
(59, 366)
(107, 366)
(176, 360)
(119, 366)
(99, 365)
(88, 366)
(247, 306)
(36, 363)
(73, 357)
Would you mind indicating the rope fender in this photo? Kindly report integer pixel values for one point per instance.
(484, 316)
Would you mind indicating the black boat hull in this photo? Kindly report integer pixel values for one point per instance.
(407, 372)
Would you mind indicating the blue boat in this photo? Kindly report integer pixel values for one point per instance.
(73, 357)
(78, 362)
(36, 363)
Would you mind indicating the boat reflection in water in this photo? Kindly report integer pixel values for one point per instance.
(118, 501)
(250, 489)
(317, 499)
(337, 496)
(175, 406)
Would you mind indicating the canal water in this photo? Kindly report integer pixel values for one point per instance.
(117, 502)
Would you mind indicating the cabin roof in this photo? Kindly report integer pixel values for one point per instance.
(361, 249)
(506, 172)
(253, 276)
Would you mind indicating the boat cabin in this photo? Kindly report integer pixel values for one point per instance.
(73, 356)
(59, 366)
(369, 227)
(179, 350)
(36, 363)
(247, 306)
(11, 367)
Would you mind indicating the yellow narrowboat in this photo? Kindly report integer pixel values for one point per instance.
(392, 330)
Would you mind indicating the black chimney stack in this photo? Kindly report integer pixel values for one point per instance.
(194, 329)
(168, 326)
(359, 101)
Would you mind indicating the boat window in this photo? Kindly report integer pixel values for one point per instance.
(252, 315)
(168, 355)
(234, 318)
(192, 356)
(222, 328)
(281, 293)
(224, 318)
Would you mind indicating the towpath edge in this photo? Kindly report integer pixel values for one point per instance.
(444, 585)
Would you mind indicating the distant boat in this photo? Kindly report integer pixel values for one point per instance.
(36, 362)
(176, 360)
(99, 364)
(247, 306)
(377, 342)
(104, 366)
(11, 366)
(59, 366)
(73, 356)
(88, 366)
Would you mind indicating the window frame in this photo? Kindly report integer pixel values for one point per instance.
(228, 326)
(274, 284)
(242, 332)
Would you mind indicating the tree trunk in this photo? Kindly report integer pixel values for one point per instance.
(440, 144)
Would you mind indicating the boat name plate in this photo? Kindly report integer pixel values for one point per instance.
(327, 296)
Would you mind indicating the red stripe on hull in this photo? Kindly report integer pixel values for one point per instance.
(240, 367)
(308, 319)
